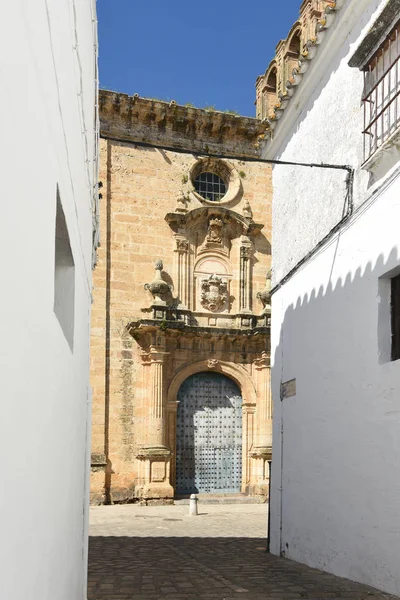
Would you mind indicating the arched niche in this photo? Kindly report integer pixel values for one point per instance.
(293, 45)
(208, 266)
(292, 51)
(270, 89)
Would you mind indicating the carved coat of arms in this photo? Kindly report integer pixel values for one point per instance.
(214, 293)
(214, 233)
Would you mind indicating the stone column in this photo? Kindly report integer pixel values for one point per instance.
(262, 451)
(264, 402)
(155, 454)
(245, 282)
(183, 267)
(156, 433)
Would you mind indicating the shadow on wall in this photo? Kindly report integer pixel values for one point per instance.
(337, 459)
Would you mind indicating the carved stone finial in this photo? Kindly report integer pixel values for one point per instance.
(214, 293)
(215, 231)
(182, 201)
(265, 295)
(158, 288)
(247, 212)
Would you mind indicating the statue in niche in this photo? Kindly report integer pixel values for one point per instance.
(159, 288)
(265, 295)
(214, 293)
(214, 233)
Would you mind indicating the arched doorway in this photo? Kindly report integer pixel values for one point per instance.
(209, 435)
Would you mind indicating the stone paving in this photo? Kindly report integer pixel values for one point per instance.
(154, 553)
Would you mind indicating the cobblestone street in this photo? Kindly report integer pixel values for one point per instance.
(151, 553)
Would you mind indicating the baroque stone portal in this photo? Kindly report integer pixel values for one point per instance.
(197, 315)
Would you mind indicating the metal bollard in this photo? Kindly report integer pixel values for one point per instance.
(193, 504)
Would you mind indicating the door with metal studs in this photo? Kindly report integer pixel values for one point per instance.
(209, 435)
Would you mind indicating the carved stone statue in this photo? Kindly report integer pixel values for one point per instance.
(265, 295)
(215, 231)
(247, 212)
(214, 293)
(158, 287)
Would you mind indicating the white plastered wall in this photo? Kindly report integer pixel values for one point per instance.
(338, 459)
(47, 126)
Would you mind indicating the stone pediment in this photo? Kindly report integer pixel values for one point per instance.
(233, 222)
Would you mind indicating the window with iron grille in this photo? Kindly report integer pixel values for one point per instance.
(381, 93)
(395, 316)
(210, 186)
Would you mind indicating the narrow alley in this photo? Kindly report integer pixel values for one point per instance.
(160, 552)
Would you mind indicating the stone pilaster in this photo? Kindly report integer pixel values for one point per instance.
(155, 455)
(183, 270)
(245, 277)
(261, 453)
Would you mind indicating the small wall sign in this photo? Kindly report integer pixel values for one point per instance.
(288, 389)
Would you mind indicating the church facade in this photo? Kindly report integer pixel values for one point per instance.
(181, 314)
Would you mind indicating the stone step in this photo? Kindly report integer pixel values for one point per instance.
(223, 499)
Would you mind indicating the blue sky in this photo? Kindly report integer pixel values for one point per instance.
(206, 53)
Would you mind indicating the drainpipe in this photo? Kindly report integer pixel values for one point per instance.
(268, 548)
(281, 550)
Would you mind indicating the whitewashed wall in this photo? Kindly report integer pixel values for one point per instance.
(47, 123)
(338, 459)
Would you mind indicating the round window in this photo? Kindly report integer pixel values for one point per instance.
(210, 186)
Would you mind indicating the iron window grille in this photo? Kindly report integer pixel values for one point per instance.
(210, 186)
(395, 316)
(381, 94)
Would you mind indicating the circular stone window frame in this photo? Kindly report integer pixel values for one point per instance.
(225, 170)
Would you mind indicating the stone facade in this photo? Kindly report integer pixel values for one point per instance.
(180, 288)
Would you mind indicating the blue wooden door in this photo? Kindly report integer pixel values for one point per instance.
(209, 435)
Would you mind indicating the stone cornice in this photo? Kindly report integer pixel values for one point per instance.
(143, 326)
(132, 118)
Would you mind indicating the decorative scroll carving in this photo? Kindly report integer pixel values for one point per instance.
(145, 357)
(265, 295)
(212, 363)
(262, 362)
(158, 288)
(245, 252)
(214, 293)
(215, 231)
(182, 245)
